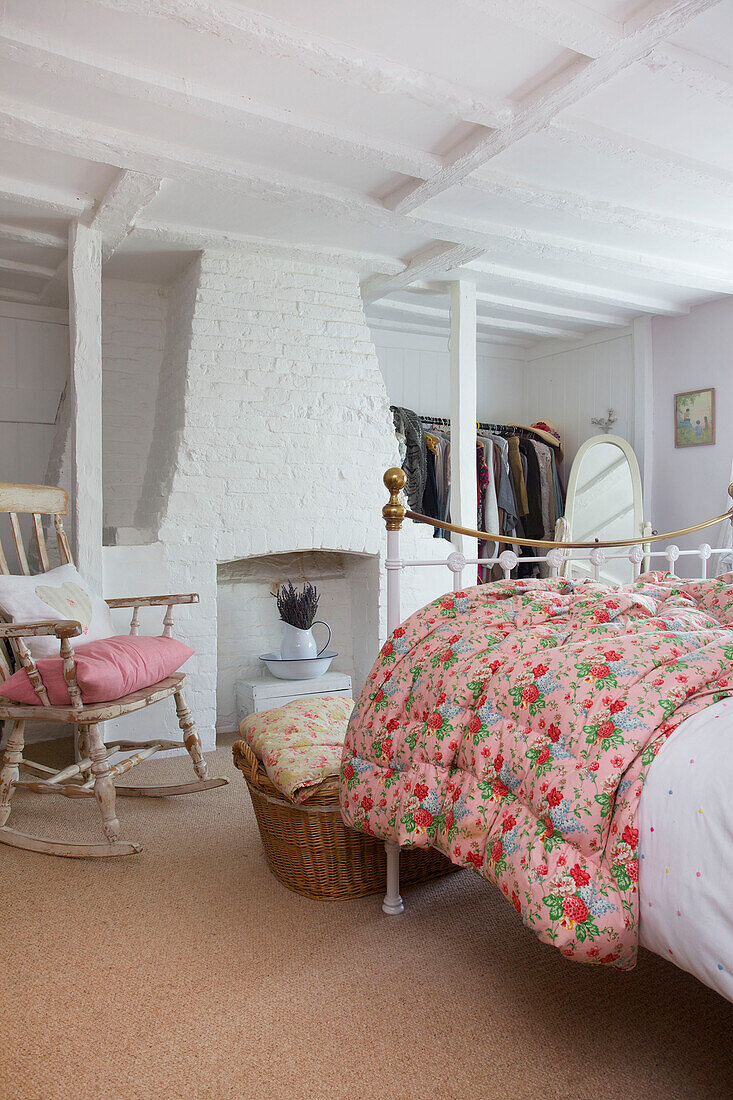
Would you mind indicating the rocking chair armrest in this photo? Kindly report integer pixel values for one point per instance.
(62, 628)
(153, 601)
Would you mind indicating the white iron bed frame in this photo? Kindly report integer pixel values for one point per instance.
(558, 556)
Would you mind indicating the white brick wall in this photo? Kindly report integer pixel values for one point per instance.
(272, 431)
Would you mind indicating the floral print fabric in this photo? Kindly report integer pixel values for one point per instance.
(511, 726)
(301, 743)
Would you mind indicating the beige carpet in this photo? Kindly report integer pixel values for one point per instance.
(188, 971)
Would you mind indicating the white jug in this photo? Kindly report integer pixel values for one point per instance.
(300, 645)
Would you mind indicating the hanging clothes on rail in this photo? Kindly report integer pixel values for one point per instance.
(409, 426)
(518, 489)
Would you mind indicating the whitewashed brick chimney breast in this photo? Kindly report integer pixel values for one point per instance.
(272, 433)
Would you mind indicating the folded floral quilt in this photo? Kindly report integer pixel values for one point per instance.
(301, 743)
(512, 725)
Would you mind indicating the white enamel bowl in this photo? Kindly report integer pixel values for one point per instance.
(303, 668)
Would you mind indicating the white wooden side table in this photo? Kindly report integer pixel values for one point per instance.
(267, 691)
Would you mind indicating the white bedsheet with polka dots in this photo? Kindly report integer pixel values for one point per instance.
(686, 849)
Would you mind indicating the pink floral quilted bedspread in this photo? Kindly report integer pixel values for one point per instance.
(511, 726)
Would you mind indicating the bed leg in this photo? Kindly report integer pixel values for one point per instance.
(392, 903)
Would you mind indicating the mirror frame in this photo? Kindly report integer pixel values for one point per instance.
(628, 451)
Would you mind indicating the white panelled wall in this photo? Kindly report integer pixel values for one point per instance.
(568, 384)
(417, 374)
(34, 366)
(573, 385)
(690, 483)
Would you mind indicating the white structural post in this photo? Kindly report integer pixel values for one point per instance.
(463, 487)
(85, 336)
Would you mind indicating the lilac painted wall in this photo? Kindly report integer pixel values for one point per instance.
(692, 352)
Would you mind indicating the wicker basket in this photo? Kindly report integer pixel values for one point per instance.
(308, 847)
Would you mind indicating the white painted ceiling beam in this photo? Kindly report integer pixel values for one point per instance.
(10, 295)
(532, 308)
(577, 205)
(388, 325)
(560, 313)
(336, 61)
(577, 292)
(438, 256)
(564, 22)
(655, 23)
(190, 237)
(36, 271)
(483, 321)
(624, 262)
(23, 235)
(31, 125)
(700, 74)
(191, 98)
(623, 149)
(49, 200)
(118, 211)
(113, 219)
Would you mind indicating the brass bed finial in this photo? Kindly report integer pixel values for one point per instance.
(394, 512)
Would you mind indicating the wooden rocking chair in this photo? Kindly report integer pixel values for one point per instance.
(93, 775)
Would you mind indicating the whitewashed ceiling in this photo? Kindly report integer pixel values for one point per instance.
(575, 159)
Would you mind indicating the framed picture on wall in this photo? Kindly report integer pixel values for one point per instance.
(694, 418)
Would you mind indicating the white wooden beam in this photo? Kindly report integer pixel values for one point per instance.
(10, 295)
(576, 291)
(31, 125)
(701, 75)
(623, 149)
(191, 237)
(438, 256)
(23, 235)
(36, 271)
(192, 98)
(528, 307)
(32, 312)
(568, 24)
(389, 325)
(51, 200)
(117, 213)
(113, 219)
(483, 321)
(263, 34)
(620, 261)
(556, 312)
(556, 95)
(462, 350)
(577, 205)
(85, 339)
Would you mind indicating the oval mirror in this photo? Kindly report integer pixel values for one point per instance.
(604, 502)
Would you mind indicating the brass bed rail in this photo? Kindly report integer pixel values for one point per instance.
(394, 513)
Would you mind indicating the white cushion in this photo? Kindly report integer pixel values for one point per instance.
(59, 594)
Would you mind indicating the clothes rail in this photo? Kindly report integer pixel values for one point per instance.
(481, 426)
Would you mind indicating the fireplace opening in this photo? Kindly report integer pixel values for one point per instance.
(249, 624)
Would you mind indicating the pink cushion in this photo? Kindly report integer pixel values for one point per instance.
(107, 669)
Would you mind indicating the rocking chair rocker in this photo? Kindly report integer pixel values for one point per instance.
(93, 775)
